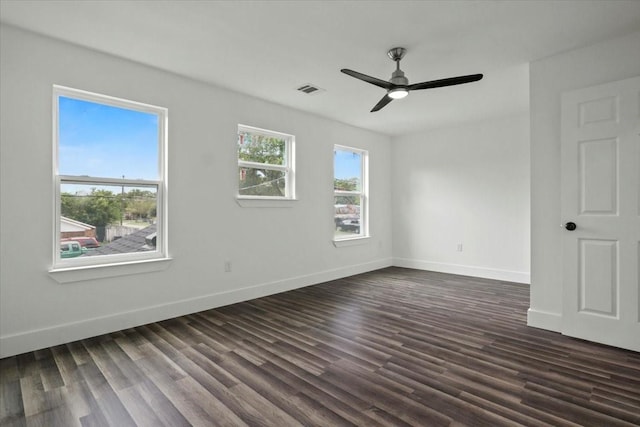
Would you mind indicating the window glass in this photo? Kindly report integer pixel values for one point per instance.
(262, 182)
(254, 147)
(348, 171)
(347, 215)
(113, 211)
(106, 141)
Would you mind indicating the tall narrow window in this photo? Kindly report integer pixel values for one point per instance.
(110, 179)
(265, 164)
(350, 193)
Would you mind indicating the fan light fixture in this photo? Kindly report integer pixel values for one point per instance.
(398, 93)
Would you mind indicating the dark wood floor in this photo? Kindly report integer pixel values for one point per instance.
(396, 347)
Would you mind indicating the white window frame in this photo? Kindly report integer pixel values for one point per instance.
(363, 193)
(84, 263)
(288, 167)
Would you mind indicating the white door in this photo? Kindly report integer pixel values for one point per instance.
(601, 196)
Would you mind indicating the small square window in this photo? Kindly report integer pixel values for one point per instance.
(265, 164)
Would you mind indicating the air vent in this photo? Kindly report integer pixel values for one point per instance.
(310, 89)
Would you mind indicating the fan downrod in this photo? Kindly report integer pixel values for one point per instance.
(396, 53)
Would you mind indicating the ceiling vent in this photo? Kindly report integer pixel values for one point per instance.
(310, 89)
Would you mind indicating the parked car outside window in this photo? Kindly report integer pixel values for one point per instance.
(85, 242)
(71, 249)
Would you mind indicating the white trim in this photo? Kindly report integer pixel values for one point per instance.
(465, 270)
(97, 261)
(22, 342)
(100, 271)
(544, 320)
(267, 132)
(352, 241)
(104, 99)
(265, 202)
(348, 148)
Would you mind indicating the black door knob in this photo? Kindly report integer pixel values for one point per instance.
(570, 226)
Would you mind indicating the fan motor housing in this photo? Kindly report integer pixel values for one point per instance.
(398, 78)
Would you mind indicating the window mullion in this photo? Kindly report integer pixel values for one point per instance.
(348, 193)
(71, 179)
(255, 165)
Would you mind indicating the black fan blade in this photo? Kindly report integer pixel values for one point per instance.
(374, 81)
(384, 101)
(446, 82)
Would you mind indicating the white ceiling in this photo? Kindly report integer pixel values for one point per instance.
(268, 48)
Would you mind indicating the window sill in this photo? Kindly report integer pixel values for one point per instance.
(92, 272)
(352, 241)
(251, 202)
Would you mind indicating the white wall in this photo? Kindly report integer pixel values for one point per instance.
(601, 63)
(466, 185)
(272, 249)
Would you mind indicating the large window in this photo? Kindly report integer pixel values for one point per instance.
(110, 179)
(265, 164)
(350, 193)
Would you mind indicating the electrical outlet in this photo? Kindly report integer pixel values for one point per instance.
(459, 247)
(227, 266)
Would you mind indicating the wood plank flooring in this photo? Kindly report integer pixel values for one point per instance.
(394, 347)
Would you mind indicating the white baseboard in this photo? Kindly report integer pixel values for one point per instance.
(465, 270)
(544, 320)
(11, 345)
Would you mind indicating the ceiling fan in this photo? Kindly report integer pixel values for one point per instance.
(398, 86)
